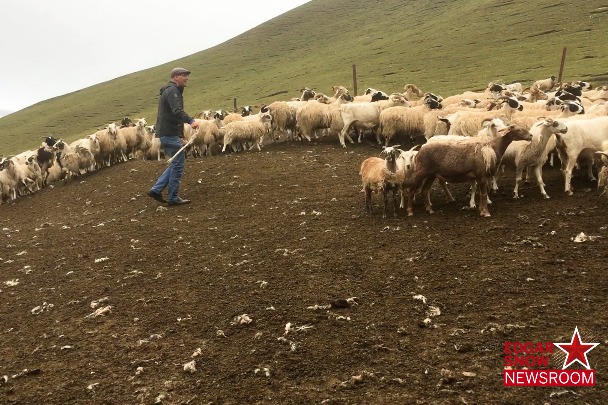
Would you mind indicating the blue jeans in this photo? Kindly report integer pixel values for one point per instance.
(172, 175)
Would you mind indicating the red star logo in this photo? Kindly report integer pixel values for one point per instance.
(576, 350)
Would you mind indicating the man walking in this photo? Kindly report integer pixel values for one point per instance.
(170, 128)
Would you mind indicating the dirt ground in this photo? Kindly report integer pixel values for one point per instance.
(254, 283)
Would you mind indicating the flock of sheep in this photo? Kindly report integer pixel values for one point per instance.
(469, 136)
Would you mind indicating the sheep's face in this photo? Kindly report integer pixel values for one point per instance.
(407, 159)
(516, 133)
(322, 98)
(266, 117)
(494, 125)
(94, 140)
(113, 129)
(413, 89)
(555, 126)
(572, 107)
(391, 154)
(379, 95)
(59, 145)
(339, 90)
(141, 123)
(307, 94)
(49, 140)
(432, 104)
(247, 110)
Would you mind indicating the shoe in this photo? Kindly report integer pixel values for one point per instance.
(179, 201)
(157, 196)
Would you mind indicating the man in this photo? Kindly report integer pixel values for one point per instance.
(170, 128)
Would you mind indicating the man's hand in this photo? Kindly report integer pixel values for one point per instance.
(194, 124)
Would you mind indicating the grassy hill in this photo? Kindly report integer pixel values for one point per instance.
(441, 46)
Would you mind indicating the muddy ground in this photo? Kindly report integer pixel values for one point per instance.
(279, 236)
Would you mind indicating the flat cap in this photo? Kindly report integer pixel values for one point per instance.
(179, 71)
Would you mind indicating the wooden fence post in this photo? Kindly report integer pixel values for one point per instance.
(234, 103)
(561, 66)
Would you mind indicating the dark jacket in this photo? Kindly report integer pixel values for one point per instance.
(171, 115)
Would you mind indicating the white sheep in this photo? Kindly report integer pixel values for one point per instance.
(314, 115)
(134, 136)
(546, 84)
(380, 175)
(466, 160)
(366, 113)
(74, 161)
(412, 90)
(89, 142)
(436, 123)
(404, 120)
(470, 122)
(598, 94)
(107, 144)
(247, 131)
(284, 121)
(207, 133)
(522, 154)
(14, 178)
(582, 134)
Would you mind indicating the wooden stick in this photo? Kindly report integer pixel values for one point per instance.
(180, 150)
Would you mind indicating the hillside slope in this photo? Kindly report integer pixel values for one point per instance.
(441, 46)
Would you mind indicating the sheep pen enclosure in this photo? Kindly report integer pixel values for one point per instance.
(276, 287)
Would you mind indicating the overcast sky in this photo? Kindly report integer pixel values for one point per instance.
(53, 47)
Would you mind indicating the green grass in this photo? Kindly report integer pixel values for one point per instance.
(442, 46)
